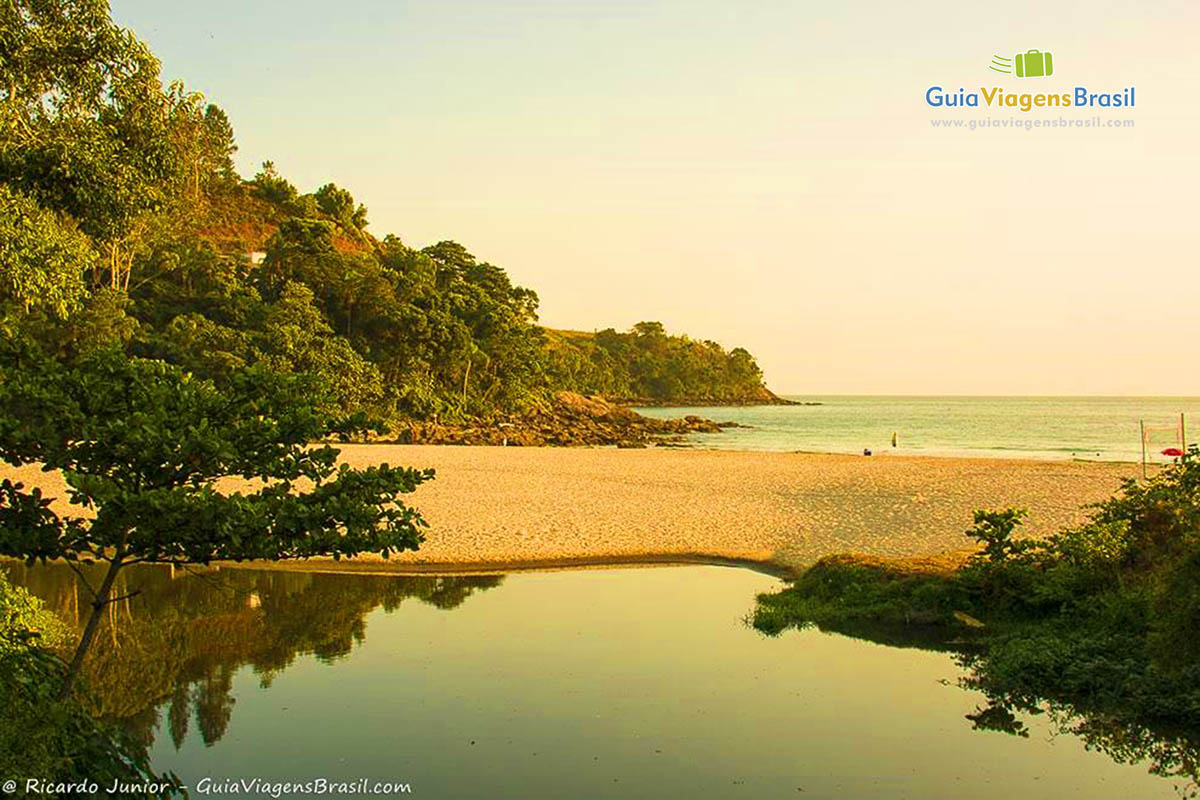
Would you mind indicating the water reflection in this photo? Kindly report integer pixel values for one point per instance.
(1168, 752)
(563, 684)
(183, 634)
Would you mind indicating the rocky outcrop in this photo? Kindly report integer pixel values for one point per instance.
(569, 420)
(762, 397)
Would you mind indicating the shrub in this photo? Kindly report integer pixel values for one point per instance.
(42, 735)
(1176, 630)
(24, 622)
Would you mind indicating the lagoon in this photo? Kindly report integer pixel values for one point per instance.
(602, 683)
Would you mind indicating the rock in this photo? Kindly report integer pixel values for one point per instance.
(568, 420)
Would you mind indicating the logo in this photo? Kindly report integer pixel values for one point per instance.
(1030, 64)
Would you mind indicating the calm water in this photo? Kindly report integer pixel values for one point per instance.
(1102, 428)
(630, 683)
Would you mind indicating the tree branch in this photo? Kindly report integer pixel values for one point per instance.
(125, 596)
(79, 573)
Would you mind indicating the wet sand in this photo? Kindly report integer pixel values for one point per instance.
(495, 508)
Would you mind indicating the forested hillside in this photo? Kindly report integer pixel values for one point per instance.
(647, 366)
(123, 222)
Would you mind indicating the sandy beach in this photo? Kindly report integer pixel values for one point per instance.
(493, 507)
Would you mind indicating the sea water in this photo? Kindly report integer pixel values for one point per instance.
(1094, 428)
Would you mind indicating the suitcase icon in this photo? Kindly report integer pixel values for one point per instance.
(1034, 64)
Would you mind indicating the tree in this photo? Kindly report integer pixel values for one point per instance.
(42, 261)
(202, 139)
(273, 187)
(339, 204)
(86, 128)
(296, 339)
(142, 444)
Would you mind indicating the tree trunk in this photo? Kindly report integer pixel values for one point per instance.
(89, 631)
(466, 377)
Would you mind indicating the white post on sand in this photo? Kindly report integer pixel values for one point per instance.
(1183, 432)
(1142, 425)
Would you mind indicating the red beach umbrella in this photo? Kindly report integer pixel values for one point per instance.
(1174, 452)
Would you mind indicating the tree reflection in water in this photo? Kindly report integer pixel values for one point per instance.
(169, 654)
(1168, 752)
(181, 638)
(1173, 754)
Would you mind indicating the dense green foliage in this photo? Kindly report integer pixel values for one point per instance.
(25, 623)
(42, 736)
(142, 445)
(649, 365)
(1101, 618)
(42, 262)
(121, 204)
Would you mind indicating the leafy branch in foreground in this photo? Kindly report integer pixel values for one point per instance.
(142, 445)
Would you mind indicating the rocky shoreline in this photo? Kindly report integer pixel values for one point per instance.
(765, 398)
(569, 420)
(699, 402)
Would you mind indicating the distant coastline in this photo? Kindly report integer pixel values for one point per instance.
(769, 398)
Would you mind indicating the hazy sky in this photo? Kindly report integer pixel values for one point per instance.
(764, 173)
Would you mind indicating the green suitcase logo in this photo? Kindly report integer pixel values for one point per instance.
(1030, 64)
(1033, 64)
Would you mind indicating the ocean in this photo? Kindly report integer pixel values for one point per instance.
(1050, 428)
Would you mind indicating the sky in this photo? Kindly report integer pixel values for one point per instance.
(764, 174)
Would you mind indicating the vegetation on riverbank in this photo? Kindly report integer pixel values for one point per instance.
(42, 736)
(1099, 620)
